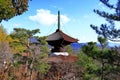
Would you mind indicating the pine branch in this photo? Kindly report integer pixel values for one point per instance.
(106, 2)
(107, 15)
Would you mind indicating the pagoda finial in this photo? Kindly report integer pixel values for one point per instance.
(58, 20)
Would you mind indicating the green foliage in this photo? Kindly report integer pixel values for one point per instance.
(69, 49)
(3, 34)
(4, 37)
(87, 66)
(42, 40)
(103, 42)
(43, 44)
(97, 62)
(23, 34)
(11, 8)
(42, 68)
(17, 47)
(108, 58)
(91, 68)
(91, 50)
(90, 77)
(21, 39)
(44, 49)
(18, 59)
(17, 56)
(40, 63)
(108, 30)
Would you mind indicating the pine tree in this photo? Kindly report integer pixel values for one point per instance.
(109, 31)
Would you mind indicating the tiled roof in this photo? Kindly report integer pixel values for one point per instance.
(60, 35)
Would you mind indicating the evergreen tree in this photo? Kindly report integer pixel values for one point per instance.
(11, 8)
(106, 61)
(20, 38)
(109, 57)
(109, 31)
(87, 69)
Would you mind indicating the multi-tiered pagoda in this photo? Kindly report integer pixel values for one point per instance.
(59, 40)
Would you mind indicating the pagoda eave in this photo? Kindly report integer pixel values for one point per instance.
(59, 42)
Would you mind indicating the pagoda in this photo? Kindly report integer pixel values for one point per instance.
(59, 40)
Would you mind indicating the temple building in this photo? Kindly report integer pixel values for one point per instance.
(59, 40)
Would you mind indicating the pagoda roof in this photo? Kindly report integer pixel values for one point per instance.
(59, 38)
(58, 35)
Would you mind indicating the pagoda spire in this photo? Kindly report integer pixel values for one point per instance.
(58, 20)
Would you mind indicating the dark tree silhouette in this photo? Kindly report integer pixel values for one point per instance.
(109, 31)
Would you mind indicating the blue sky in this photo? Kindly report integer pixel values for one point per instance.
(76, 17)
